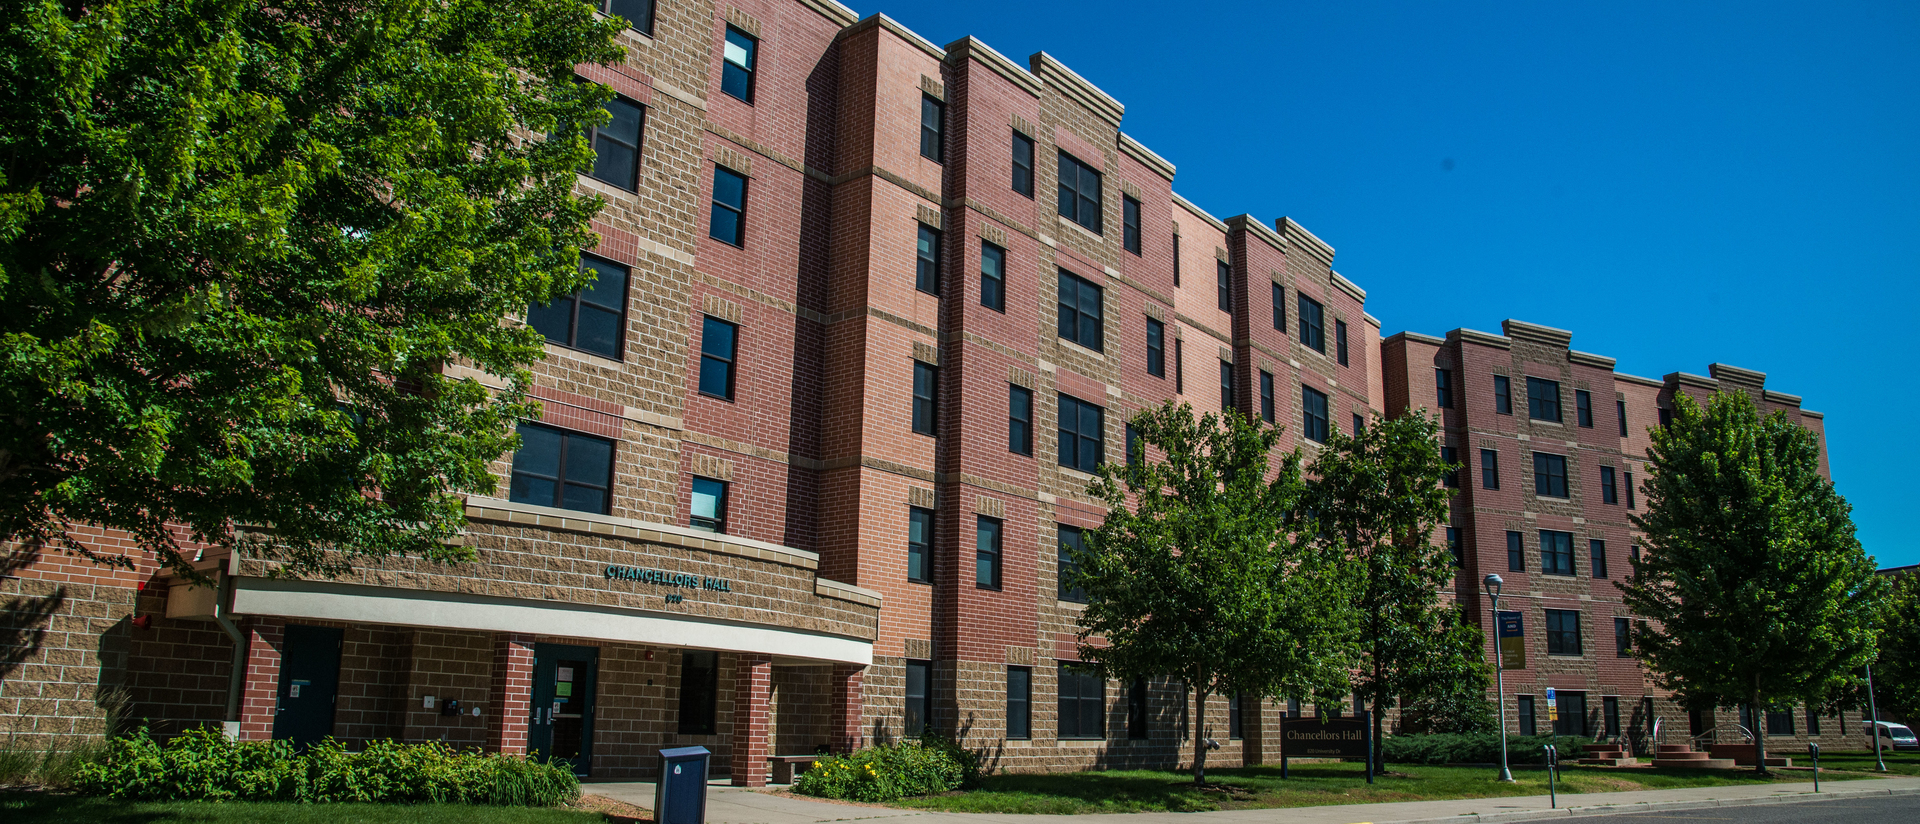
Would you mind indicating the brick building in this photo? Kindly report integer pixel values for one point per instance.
(869, 310)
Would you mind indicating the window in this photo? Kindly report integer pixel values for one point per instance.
(1130, 223)
(1137, 709)
(1597, 554)
(1573, 713)
(986, 552)
(1623, 638)
(1502, 395)
(926, 397)
(1235, 728)
(616, 146)
(1156, 348)
(1081, 312)
(1359, 424)
(588, 320)
(727, 221)
(1450, 459)
(1019, 702)
(1453, 546)
(919, 544)
(1780, 720)
(1079, 193)
(1312, 329)
(1813, 721)
(1516, 553)
(1226, 386)
(1526, 715)
(1019, 420)
(1549, 475)
(1179, 369)
(919, 706)
(1611, 713)
(709, 510)
(1608, 495)
(1082, 438)
(1023, 164)
(1620, 411)
(1630, 490)
(1313, 411)
(993, 277)
(561, 469)
(1072, 541)
(1666, 418)
(1489, 469)
(736, 70)
(699, 681)
(1633, 552)
(639, 13)
(1583, 408)
(1293, 708)
(717, 339)
(1266, 396)
(1136, 450)
(1563, 633)
(1443, 387)
(1279, 308)
(1176, 259)
(926, 263)
(1340, 340)
(1556, 552)
(1543, 400)
(1083, 700)
(933, 124)
(1223, 284)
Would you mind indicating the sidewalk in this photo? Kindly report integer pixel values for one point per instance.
(730, 805)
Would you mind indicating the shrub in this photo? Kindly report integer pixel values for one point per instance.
(1475, 748)
(204, 765)
(888, 772)
(49, 767)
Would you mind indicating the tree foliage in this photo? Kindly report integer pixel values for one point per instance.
(1757, 590)
(1379, 497)
(1196, 575)
(1896, 674)
(240, 242)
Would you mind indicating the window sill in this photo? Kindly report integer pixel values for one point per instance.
(563, 350)
(1547, 421)
(713, 396)
(1097, 353)
(1075, 225)
(740, 245)
(607, 184)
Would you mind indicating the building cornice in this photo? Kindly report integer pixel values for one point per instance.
(1132, 148)
(882, 21)
(1734, 374)
(1415, 337)
(1689, 379)
(1053, 72)
(1251, 225)
(833, 11)
(1780, 397)
(1352, 289)
(497, 510)
(1371, 319)
(1590, 359)
(1299, 236)
(1535, 333)
(970, 47)
(1636, 379)
(1479, 338)
(1198, 212)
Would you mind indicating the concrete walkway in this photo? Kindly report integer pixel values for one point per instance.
(732, 805)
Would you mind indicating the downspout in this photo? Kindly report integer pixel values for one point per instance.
(237, 675)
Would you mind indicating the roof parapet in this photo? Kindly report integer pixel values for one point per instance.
(1734, 374)
(1299, 236)
(904, 33)
(1252, 225)
(1199, 212)
(1590, 359)
(1352, 289)
(1478, 337)
(971, 47)
(1690, 379)
(1371, 319)
(1051, 70)
(1622, 376)
(1415, 337)
(1780, 397)
(1132, 148)
(1535, 333)
(833, 11)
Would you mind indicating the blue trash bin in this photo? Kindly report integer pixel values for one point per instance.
(680, 797)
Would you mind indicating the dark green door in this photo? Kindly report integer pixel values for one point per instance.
(562, 728)
(309, 681)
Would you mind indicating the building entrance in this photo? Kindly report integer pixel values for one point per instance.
(562, 718)
(309, 680)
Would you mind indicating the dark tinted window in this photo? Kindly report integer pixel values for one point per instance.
(919, 697)
(699, 685)
(1573, 713)
(993, 277)
(1583, 408)
(1597, 551)
(1130, 224)
(616, 146)
(717, 341)
(709, 510)
(1620, 410)
(1313, 410)
(1019, 702)
(1556, 552)
(926, 398)
(1226, 385)
(1489, 469)
(1608, 493)
(728, 220)
(1516, 553)
(1450, 458)
(561, 469)
(740, 61)
(1622, 638)
(1443, 387)
(1081, 313)
(986, 552)
(1630, 503)
(1502, 395)
(1313, 331)
(933, 124)
(1083, 702)
(1266, 397)
(1543, 399)
(1079, 192)
(1072, 541)
(587, 320)
(639, 13)
(919, 544)
(1019, 420)
(1563, 632)
(1082, 439)
(1340, 340)
(1234, 729)
(1179, 368)
(1279, 308)
(926, 261)
(1137, 709)
(1156, 348)
(1223, 284)
(1023, 164)
(1549, 475)
(1453, 546)
(1526, 714)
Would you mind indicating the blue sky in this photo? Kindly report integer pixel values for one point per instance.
(1677, 183)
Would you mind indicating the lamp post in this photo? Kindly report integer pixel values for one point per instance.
(1493, 583)
(1873, 724)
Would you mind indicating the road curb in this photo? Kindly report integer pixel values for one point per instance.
(1655, 806)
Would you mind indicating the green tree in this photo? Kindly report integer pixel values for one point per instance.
(240, 242)
(1194, 575)
(1896, 675)
(1380, 496)
(1757, 590)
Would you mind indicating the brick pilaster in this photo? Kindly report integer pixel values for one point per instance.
(511, 693)
(260, 695)
(846, 709)
(752, 695)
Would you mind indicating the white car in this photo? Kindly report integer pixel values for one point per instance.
(1896, 736)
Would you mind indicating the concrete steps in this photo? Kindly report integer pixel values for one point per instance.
(1743, 755)
(1684, 757)
(1607, 755)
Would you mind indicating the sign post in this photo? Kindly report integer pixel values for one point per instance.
(1493, 583)
(1814, 750)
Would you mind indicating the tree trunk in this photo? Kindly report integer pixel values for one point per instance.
(1374, 755)
(1759, 732)
(1200, 736)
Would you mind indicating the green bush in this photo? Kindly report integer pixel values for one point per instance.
(1475, 748)
(888, 772)
(204, 765)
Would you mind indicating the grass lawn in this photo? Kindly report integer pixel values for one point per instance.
(1901, 763)
(36, 808)
(1310, 785)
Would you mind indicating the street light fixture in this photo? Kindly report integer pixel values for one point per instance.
(1493, 583)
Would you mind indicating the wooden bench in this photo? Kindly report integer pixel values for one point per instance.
(784, 766)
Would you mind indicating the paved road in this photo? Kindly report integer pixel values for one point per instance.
(1881, 810)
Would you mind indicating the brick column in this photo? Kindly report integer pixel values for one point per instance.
(511, 693)
(752, 695)
(260, 695)
(848, 707)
